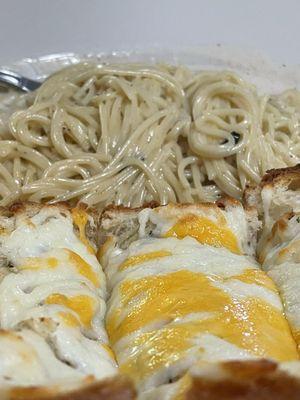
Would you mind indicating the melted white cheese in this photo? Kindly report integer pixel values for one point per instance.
(54, 301)
(186, 254)
(47, 230)
(287, 278)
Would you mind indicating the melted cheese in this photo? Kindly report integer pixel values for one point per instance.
(26, 359)
(186, 254)
(296, 334)
(104, 248)
(69, 319)
(185, 384)
(84, 268)
(250, 324)
(204, 302)
(80, 219)
(156, 349)
(109, 351)
(39, 263)
(140, 258)
(205, 231)
(257, 277)
(51, 230)
(82, 305)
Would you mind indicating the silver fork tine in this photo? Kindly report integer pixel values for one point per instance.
(18, 81)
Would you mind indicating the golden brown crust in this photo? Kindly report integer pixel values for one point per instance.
(222, 203)
(287, 178)
(246, 380)
(251, 197)
(20, 207)
(30, 206)
(280, 175)
(118, 388)
(227, 201)
(112, 210)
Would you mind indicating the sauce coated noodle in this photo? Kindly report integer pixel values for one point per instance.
(129, 134)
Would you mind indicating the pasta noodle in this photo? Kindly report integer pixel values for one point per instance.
(130, 134)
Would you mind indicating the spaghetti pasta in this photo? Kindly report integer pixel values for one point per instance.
(129, 134)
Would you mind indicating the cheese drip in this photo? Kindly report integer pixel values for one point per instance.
(80, 219)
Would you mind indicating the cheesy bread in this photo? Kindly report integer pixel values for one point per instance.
(278, 198)
(52, 303)
(193, 301)
(186, 292)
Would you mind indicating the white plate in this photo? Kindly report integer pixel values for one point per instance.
(256, 68)
(253, 66)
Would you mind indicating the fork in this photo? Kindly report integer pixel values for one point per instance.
(18, 81)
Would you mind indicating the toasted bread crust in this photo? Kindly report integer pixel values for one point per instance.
(251, 197)
(113, 209)
(21, 207)
(246, 380)
(32, 208)
(280, 175)
(118, 388)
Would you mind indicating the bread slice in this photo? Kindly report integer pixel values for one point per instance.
(167, 267)
(278, 194)
(116, 388)
(52, 306)
(278, 199)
